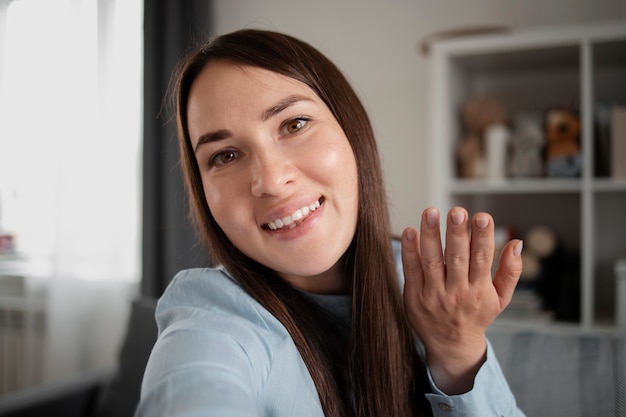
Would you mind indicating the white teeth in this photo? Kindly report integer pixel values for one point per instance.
(290, 221)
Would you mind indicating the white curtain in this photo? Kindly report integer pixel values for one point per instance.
(70, 121)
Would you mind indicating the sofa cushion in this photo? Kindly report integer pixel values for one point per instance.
(568, 373)
(121, 396)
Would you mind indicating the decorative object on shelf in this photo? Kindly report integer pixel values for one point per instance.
(470, 157)
(478, 113)
(497, 137)
(539, 243)
(562, 155)
(526, 147)
(558, 279)
(618, 142)
(7, 242)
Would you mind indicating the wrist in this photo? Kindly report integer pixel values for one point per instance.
(453, 367)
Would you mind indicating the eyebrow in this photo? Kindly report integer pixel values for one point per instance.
(282, 105)
(212, 137)
(272, 111)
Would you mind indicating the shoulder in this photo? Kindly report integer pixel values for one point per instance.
(211, 329)
(200, 288)
(219, 351)
(213, 298)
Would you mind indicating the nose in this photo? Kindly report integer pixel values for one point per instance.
(272, 173)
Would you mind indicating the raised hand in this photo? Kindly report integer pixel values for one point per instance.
(451, 297)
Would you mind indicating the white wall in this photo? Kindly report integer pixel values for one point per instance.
(376, 44)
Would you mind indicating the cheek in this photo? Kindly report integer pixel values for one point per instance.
(334, 156)
(224, 204)
(335, 166)
(339, 164)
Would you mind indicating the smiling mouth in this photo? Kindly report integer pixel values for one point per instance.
(295, 218)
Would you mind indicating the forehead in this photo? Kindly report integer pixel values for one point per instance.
(222, 84)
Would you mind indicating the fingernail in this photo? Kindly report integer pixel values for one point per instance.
(458, 217)
(432, 217)
(482, 221)
(410, 235)
(517, 250)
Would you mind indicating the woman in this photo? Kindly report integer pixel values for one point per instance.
(304, 316)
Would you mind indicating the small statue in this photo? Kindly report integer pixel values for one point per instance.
(526, 147)
(562, 150)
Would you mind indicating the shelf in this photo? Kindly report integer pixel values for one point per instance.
(516, 186)
(534, 186)
(552, 327)
(609, 185)
(529, 72)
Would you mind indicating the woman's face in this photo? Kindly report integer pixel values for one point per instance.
(279, 175)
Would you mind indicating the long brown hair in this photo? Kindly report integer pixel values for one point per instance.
(386, 376)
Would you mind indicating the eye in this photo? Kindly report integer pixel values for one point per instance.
(294, 125)
(223, 157)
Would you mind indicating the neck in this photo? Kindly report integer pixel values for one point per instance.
(331, 282)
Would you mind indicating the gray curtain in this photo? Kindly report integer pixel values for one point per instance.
(171, 28)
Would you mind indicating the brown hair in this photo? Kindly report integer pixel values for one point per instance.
(386, 376)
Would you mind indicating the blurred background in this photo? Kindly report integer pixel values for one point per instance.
(92, 213)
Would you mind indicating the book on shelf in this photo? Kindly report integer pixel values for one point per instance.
(526, 305)
(602, 140)
(618, 142)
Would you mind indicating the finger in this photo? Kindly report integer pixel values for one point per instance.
(457, 248)
(509, 271)
(430, 249)
(482, 246)
(411, 265)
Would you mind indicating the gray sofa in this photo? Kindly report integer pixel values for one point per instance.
(566, 372)
(96, 394)
(552, 373)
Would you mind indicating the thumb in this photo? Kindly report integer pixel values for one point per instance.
(509, 271)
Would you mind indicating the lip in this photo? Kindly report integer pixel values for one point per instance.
(288, 210)
(302, 229)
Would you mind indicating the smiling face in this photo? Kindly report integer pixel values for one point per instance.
(278, 172)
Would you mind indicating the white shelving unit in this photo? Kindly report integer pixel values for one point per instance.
(531, 71)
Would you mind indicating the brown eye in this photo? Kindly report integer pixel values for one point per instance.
(224, 157)
(294, 125)
(228, 156)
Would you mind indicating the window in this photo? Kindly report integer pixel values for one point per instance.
(70, 107)
(70, 152)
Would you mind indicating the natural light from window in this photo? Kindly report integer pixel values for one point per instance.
(70, 126)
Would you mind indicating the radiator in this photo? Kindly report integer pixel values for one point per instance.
(22, 335)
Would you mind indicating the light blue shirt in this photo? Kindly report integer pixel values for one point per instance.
(220, 353)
